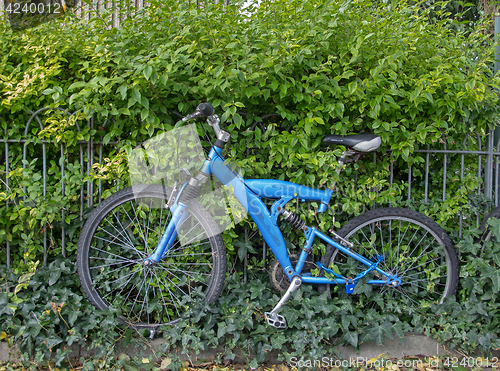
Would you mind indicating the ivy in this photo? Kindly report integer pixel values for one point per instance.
(44, 313)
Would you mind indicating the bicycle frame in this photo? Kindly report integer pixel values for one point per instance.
(249, 193)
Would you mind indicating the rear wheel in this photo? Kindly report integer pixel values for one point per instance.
(414, 248)
(122, 232)
(487, 233)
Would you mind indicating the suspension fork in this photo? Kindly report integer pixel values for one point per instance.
(179, 215)
(179, 207)
(189, 191)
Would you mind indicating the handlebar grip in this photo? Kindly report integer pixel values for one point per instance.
(206, 109)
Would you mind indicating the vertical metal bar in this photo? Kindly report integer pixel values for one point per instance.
(63, 211)
(89, 166)
(445, 169)
(44, 175)
(488, 170)
(116, 18)
(2, 10)
(100, 162)
(426, 191)
(496, 69)
(81, 187)
(264, 254)
(375, 162)
(391, 176)
(479, 172)
(496, 136)
(245, 262)
(7, 184)
(246, 258)
(496, 190)
(88, 174)
(409, 184)
(462, 168)
(25, 146)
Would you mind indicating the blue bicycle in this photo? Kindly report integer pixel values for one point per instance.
(150, 249)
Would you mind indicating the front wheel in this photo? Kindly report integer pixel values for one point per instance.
(124, 230)
(414, 248)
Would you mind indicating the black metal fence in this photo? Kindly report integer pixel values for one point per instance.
(474, 149)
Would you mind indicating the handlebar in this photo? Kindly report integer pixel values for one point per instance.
(203, 110)
(207, 110)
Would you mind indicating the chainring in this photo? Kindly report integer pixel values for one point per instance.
(279, 279)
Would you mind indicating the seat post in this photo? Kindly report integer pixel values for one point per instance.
(342, 161)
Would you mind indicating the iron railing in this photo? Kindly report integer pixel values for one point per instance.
(482, 154)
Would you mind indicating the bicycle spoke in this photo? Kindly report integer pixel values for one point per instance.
(131, 246)
(112, 243)
(427, 280)
(173, 297)
(185, 272)
(124, 230)
(173, 274)
(427, 271)
(109, 253)
(194, 254)
(138, 292)
(162, 297)
(124, 285)
(108, 272)
(118, 279)
(132, 222)
(187, 247)
(424, 263)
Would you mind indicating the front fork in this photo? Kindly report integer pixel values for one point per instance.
(188, 192)
(179, 215)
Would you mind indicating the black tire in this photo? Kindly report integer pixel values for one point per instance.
(486, 232)
(414, 247)
(122, 231)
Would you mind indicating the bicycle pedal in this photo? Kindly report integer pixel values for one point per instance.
(275, 320)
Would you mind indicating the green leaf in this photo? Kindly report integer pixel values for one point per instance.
(137, 95)
(254, 364)
(54, 276)
(147, 72)
(494, 276)
(352, 338)
(76, 85)
(163, 79)
(241, 76)
(123, 90)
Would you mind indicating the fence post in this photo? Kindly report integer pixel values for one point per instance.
(495, 135)
(497, 66)
(488, 169)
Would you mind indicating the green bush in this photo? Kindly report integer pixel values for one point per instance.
(412, 76)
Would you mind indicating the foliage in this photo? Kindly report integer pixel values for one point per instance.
(51, 315)
(321, 67)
